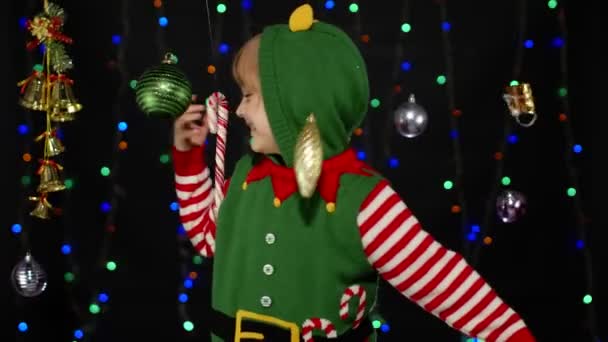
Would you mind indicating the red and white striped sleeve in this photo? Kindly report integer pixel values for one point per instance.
(194, 191)
(437, 279)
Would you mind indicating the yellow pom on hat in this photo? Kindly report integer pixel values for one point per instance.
(301, 19)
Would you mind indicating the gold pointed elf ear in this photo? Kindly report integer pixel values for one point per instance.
(308, 157)
(301, 19)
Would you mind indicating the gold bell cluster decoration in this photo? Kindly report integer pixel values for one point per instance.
(49, 89)
(520, 102)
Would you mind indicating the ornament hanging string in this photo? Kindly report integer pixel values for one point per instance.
(216, 107)
(210, 33)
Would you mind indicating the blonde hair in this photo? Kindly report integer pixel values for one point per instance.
(245, 66)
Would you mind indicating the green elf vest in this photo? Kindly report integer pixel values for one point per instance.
(291, 259)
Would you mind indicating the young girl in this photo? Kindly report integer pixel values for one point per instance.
(287, 267)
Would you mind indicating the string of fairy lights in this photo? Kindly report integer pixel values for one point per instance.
(99, 300)
(507, 139)
(98, 303)
(571, 155)
(447, 80)
(399, 76)
(362, 144)
(473, 249)
(184, 252)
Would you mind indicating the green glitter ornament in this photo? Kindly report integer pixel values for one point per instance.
(164, 90)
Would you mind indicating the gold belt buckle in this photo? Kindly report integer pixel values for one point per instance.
(252, 316)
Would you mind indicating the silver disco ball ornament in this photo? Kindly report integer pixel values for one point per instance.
(29, 279)
(510, 206)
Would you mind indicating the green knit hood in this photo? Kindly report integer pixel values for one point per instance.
(315, 70)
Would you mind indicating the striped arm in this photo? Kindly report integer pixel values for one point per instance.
(437, 279)
(194, 191)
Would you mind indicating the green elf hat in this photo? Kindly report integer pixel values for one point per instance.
(315, 89)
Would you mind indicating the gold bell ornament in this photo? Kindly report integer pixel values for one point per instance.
(49, 176)
(62, 102)
(43, 207)
(520, 102)
(33, 90)
(308, 157)
(52, 144)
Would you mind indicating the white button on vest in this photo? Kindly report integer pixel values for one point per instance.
(266, 301)
(270, 238)
(268, 269)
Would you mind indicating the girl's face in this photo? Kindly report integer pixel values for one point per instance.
(251, 108)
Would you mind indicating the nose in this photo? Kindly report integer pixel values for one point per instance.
(239, 110)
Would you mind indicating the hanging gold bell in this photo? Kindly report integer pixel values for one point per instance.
(43, 207)
(33, 90)
(49, 177)
(52, 144)
(58, 116)
(63, 104)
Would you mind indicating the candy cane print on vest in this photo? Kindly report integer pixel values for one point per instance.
(349, 293)
(318, 323)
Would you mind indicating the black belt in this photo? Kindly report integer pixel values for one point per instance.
(223, 326)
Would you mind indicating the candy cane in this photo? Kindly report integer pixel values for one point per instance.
(353, 290)
(217, 119)
(318, 323)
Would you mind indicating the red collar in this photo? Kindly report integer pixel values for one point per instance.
(284, 182)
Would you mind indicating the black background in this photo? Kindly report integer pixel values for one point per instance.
(532, 263)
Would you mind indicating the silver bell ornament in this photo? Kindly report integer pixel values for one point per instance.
(410, 118)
